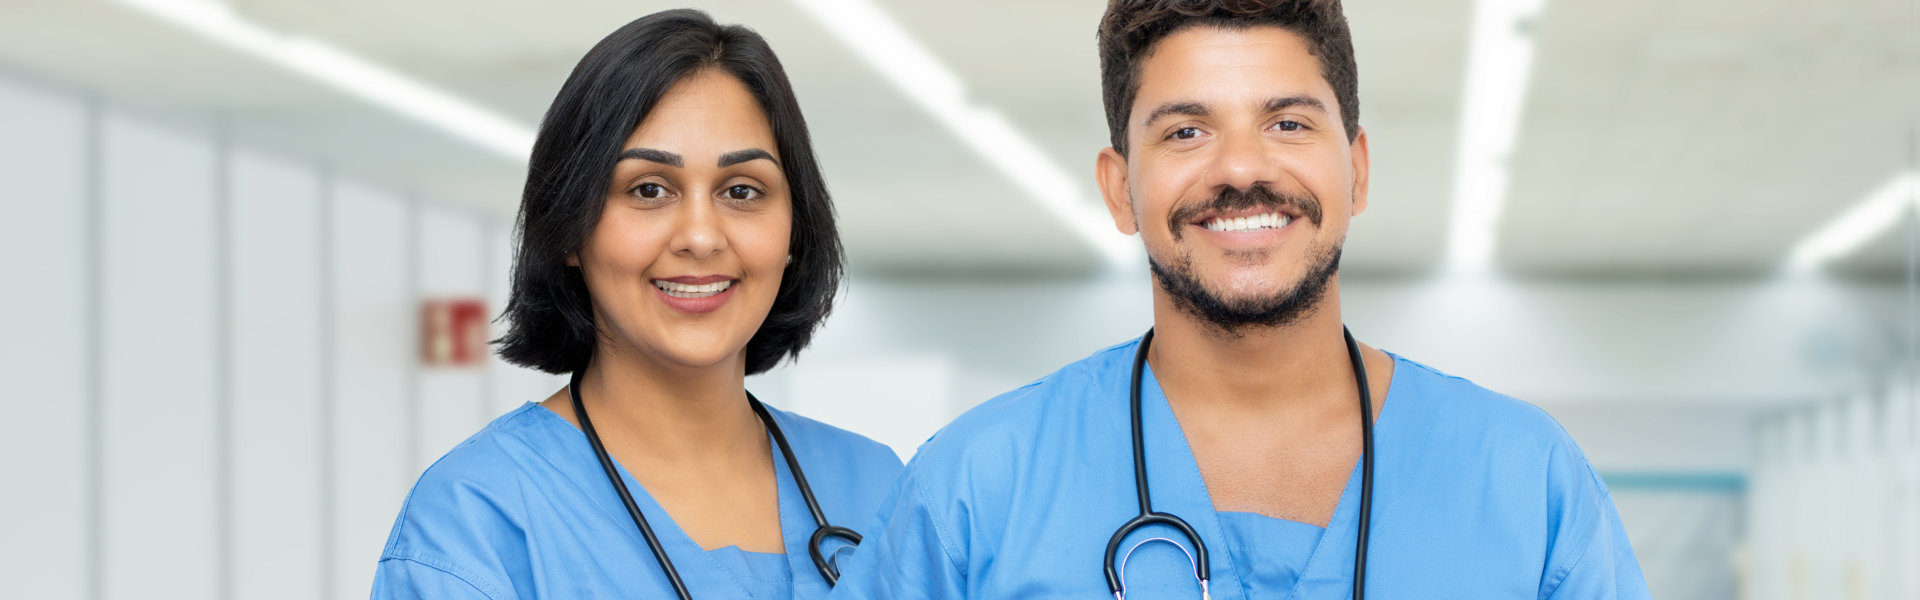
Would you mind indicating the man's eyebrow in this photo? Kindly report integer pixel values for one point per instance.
(652, 155)
(1186, 109)
(739, 156)
(1280, 104)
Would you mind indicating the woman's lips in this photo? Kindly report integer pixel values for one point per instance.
(695, 295)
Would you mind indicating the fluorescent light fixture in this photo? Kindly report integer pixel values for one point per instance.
(889, 49)
(352, 74)
(1499, 62)
(1868, 219)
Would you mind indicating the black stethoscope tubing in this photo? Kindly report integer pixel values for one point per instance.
(821, 532)
(1147, 515)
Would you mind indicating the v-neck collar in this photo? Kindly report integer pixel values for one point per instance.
(702, 572)
(1173, 475)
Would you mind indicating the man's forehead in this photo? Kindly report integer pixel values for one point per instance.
(1248, 64)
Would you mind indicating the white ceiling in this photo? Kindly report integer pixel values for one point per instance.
(1661, 137)
(1708, 136)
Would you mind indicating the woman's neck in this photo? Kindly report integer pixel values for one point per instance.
(671, 413)
(691, 439)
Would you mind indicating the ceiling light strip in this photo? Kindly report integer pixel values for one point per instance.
(349, 73)
(917, 73)
(1868, 219)
(1499, 63)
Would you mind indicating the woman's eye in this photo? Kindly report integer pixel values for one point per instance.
(650, 190)
(742, 192)
(1185, 133)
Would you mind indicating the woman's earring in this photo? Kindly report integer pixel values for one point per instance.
(789, 259)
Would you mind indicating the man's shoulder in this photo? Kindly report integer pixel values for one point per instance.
(1456, 419)
(1450, 401)
(1011, 426)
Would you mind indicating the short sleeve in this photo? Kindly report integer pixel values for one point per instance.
(1588, 556)
(410, 579)
(1606, 567)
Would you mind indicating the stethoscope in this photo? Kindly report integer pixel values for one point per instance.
(1115, 579)
(822, 530)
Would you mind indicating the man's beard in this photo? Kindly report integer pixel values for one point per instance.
(1235, 316)
(1286, 307)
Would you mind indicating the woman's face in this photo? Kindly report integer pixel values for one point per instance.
(691, 245)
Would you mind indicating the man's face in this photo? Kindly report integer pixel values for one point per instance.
(1239, 175)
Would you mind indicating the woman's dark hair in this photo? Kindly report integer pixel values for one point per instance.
(550, 315)
(1131, 27)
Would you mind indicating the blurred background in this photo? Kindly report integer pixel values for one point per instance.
(248, 247)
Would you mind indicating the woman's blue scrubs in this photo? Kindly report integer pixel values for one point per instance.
(523, 510)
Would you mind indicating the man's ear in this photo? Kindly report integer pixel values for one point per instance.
(1110, 171)
(1361, 165)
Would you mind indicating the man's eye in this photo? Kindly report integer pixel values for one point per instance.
(1185, 133)
(742, 192)
(1289, 126)
(650, 190)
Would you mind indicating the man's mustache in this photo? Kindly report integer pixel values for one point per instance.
(1231, 199)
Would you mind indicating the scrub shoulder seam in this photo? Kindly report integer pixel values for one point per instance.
(1585, 547)
(939, 528)
(447, 567)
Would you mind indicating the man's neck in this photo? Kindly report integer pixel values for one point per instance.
(1300, 365)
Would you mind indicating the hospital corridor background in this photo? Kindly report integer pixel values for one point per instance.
(251, 249)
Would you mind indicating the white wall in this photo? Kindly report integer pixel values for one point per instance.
(44, 355)
(1836, 498)
(159, 371)
(278, 403)
(210, 354)
(372, 362)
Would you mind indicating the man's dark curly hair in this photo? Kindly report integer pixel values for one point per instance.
(1131, 27)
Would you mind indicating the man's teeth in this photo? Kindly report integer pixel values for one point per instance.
(681, 290)
(1271, 220)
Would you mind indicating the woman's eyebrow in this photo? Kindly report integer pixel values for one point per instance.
(652, 155)
(739, 156)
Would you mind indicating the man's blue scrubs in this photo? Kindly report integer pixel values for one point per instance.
(1476, 495)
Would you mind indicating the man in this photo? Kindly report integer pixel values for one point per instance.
(1238, 158)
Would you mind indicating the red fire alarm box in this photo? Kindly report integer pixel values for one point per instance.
(453, 332)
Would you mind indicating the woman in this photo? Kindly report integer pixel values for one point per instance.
(676, 236)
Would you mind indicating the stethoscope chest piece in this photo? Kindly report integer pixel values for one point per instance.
(1116, 577)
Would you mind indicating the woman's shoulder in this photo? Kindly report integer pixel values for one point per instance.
(820, 441)
(477, 486)
(803, 430)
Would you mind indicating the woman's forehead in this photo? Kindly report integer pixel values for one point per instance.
(703, 116)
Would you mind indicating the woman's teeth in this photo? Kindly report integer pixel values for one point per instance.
(681, 290)
(1271, 220)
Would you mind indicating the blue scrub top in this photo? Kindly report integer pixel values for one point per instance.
(523, 510)
(1476, 495)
